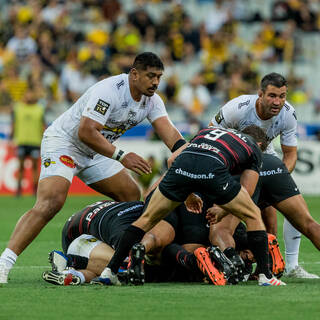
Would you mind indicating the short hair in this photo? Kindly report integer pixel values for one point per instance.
(274, 79)
(257, 134)
(147, 59)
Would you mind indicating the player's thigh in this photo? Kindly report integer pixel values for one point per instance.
(110, 178)
(296, 212)
(242, 206)
(51, 194)
(163, 234)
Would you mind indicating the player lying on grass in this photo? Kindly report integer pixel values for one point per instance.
(90, 255)
(95, 231)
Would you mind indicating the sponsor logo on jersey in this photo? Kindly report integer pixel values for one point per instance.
(194, 175)
(101, 107)
(121, 129)
(125, 104)
(219, 117)
(242, 104)
(68, 161)
(119, 84)
(270, 172)
(47, 162)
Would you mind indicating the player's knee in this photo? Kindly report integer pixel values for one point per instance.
(47, 209)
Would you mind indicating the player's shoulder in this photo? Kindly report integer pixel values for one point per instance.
(289, 111)
(156, 99)
(242, 102)
(111, 84)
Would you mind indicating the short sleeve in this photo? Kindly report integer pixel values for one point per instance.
(98, 103)
(157, 109)
(288, 136)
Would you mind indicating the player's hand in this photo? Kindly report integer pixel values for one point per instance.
(194, 203)
(136, 163)
(215, 214)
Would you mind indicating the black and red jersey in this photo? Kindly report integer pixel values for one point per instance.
(103, 219)
(238, 151)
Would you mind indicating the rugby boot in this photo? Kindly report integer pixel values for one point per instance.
(237, 261)
(61, 279)
(207, 267)
(278, 264)
(4, 272)
(58, 260)
(223, 264)
(299, 273)
(135, 273)
(106, 278)
(264, 281)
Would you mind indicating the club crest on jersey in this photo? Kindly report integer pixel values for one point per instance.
(47, 162)
(125, 104)
(68, 161)
(219, 117)
(102, 107)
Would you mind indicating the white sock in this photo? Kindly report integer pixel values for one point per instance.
(292, 238)
(76, 273)
(9, 257)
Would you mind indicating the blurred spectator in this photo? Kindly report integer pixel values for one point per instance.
(21, 43)
(52, 11)
(141, 20)
(27, 130)
(217, 16)
(194, 97)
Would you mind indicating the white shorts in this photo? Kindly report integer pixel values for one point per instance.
(61, 158)
(83, 245)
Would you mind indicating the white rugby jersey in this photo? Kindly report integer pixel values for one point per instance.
(108, 102)
(241, 112)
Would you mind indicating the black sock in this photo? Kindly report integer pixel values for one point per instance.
(258, 244)
(77, 262)
(175, 252)
(130, 237)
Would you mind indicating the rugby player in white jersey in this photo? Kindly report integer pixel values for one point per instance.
(79, 143)
(270, 111)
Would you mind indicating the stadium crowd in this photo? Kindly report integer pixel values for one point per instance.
(61, 48)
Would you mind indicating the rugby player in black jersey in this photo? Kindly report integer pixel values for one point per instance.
(206, 165)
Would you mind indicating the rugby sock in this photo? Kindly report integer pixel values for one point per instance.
(8, 257)
(130, 237)
(292, 238)
(77, 262)
(258, 244)
(76, 273)
(175, 252)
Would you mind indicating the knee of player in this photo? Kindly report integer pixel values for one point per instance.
(48, 208)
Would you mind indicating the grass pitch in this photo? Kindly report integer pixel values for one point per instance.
(27, 296)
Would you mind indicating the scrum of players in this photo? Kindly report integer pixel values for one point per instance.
(201, 237)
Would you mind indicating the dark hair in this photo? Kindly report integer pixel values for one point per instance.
(257, 134)
(274, 79)
(147, 59)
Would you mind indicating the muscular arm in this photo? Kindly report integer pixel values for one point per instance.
(89, 133)
(289, 156)
(249, 180)
(167, 132)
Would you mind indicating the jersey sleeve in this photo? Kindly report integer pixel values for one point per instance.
(288, 136)
(157, 109)
(99, 104)
(227, 117)
(256, 159)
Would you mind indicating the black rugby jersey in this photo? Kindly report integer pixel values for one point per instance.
(238, 151)
(96, 219)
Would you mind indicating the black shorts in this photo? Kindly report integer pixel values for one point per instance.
(189, 227)
(25, 151)
(194, 172)
(275, 182)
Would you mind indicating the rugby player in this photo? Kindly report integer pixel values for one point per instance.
(277, 188)
(206, 165)
(79, 143)
(270, 111)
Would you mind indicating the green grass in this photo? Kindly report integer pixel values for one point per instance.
(27, 296)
